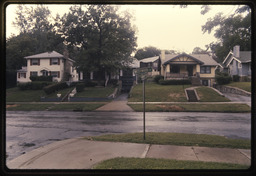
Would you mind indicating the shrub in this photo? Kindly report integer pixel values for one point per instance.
(113, 82)
(157, 78)
(33, 85)
(41, 78)
(223, 78)
(174, 82)
(236, 78)
(55, 87)
(89, 83)
(80, 87)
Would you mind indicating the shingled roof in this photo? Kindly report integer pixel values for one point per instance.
(52, 54)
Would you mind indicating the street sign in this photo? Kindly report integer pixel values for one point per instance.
(143, 72)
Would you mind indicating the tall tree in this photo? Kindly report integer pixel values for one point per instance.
(231, 30)
(104, 37)
(146, 52)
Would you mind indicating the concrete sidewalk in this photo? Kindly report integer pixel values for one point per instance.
(79, 153)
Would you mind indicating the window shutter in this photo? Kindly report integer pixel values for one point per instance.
(24, 75)
(58, 74)
(18, 75)
(38, 61)
(50, 61)
(58, 61)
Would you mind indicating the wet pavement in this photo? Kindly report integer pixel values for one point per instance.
(26, 131)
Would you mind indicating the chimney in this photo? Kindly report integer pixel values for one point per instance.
(236, 51)
(162, 59)
(162, 55)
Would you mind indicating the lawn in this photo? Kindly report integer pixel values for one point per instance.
(152, 163)
(17, 95)
(28, 107)
(192, 108)
(95, 92)
(206, 94)
(182, 139)
(75, 107)
(242, 85)
(159, 93)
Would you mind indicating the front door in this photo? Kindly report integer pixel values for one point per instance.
(190, 70)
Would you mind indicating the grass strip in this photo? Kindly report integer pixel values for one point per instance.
(229, 108)
(182, 139)
(28, 107)
(206, 94)
(75, 107)
(242, 85)
(152, 163)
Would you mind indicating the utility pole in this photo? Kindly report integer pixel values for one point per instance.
(144, 119)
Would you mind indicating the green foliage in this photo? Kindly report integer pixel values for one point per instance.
(236, 78)
(231, 30)
(146, 52)
(157, 78)
(174, 82)
(41, 78)
(55, 87)
(11, 78)
(223, 78)
(80, 87)
(38, 85)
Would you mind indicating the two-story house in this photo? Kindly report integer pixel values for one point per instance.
(237, 63)
(48, 64)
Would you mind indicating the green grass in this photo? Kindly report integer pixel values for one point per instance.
(176, 139)
(96, 92)
(75, 107)
(192, 108)
(29, 107)
(242, 85)
(152, 163)
(159, 93)
(16, 95)
(206, 94)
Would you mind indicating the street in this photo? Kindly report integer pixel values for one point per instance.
(26, 131)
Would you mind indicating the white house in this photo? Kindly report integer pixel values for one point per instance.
(48, 64)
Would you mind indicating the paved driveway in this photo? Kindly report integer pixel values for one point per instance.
(238, 98)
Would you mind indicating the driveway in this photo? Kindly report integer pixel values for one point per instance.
(238, 98)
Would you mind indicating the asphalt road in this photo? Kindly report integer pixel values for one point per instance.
(26, 131)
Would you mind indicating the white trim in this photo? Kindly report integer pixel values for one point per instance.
(230, 52)
(232, 60)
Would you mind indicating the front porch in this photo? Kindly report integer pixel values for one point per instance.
(178, 71)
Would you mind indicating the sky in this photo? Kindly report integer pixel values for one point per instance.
(167, 27)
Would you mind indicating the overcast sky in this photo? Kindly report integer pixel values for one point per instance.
(163, 26)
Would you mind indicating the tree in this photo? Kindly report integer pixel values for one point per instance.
(146, 52)
(105, 38)
(232, 30)
(198, 50)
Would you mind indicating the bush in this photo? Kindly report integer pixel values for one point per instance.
(223, 78)
(113, 82)
(236, 78)
(41, 78)
(55, 87)
(157, 78)
(174, 82)
(80, 87)
(33, 85)
(89, 83)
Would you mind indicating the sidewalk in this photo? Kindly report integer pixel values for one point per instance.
(79, 153)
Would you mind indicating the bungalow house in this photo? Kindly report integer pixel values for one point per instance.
(237, 63)
(48, 64)
(200, 67)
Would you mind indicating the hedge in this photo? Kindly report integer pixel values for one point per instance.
(157, 78)
(223, 78)
(55, 87)
(33, 85)
(174, 82)
(41, 78)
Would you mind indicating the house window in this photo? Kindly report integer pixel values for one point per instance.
(205, 82)
(33, 73)
(55, 74)
(35, 62)
(205, 69)
(54, 61)
(22, 75)
(155, 64)
(175, 69)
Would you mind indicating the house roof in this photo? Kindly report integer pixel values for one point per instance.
(52, 54)
(245, 56)
(135, 63)
(149, 59)
(203, 59)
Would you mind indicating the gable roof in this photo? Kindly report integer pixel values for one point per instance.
(203, 59)
(245, 57)
(44, 55)
(52, 54)
(149, 59)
